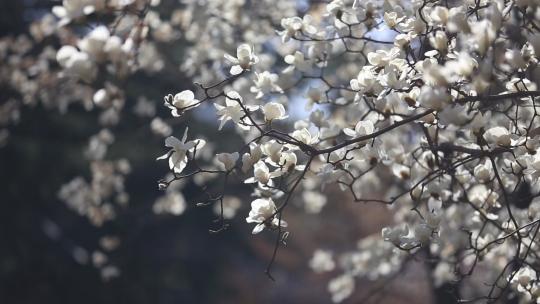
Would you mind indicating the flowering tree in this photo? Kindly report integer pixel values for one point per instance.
(427, 107)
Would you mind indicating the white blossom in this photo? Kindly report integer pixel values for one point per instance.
(341, 287)
(391, 19)
(230, 207)
(179, 148)
(434, 97)
(172, 203)
(322, 261)
(232, 109)
(265, 83)
(274, 111)
(297, 61)
(76, 63)
(294, 25)
(228, 160)
(244, 59)
(262, 174)
(181, 102)
(362, 128)
(249, 159)
(72, 9)
(499, 136)
(263, 213)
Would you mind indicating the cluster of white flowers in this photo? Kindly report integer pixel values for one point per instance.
(435, 73)
(97, 200)
(178, 154)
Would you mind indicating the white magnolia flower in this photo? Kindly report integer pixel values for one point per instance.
(228, 208)
(335, 6)
(76, 63)
(101, 97)
(294, 25)
(265, 83)
(313, 201)
(401, 171)
(434, 74)
(524, 276)
(444, 272)
(93, 44)
(72, 9)
(341, 287)
(439, 41)
(366, 81)
(480, 195)
(315, 95)
(115, 50)
(456, 115)
(262, 174)
(328, 174)
(322, 261)
(439, 15)
(318, 49)
(304, 136)
(533, 166)
(299, 62)
(185, 99)
(484, 172)
(171, 203)
(180, 102)
(228, 160)
(287, 161)
(251, 158)
(457, 20)
(232, 109)
(274, 111)
(499, 136)
(518, 84)
(272, 149)
(434, 97)
(160, 127)
(319, 119)
(263, 211)
(363, 127)
(244, 59)
(64, 54)
(382, 58)
(483, 34)
(391, 19)
(178, 154)
(403, 40)
(463, 66)
(395, 235)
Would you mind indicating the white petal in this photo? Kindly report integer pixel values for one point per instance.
(231, 58)
(236, 70)
(258, 228)
(164, 156)
(172, 142)
(184, 138)
(185, 95)
(250, 180)
(289, 59)
(349, 132)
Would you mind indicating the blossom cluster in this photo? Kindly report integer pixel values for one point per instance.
(443, 114)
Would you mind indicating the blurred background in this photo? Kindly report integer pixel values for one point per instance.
(48, 251)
